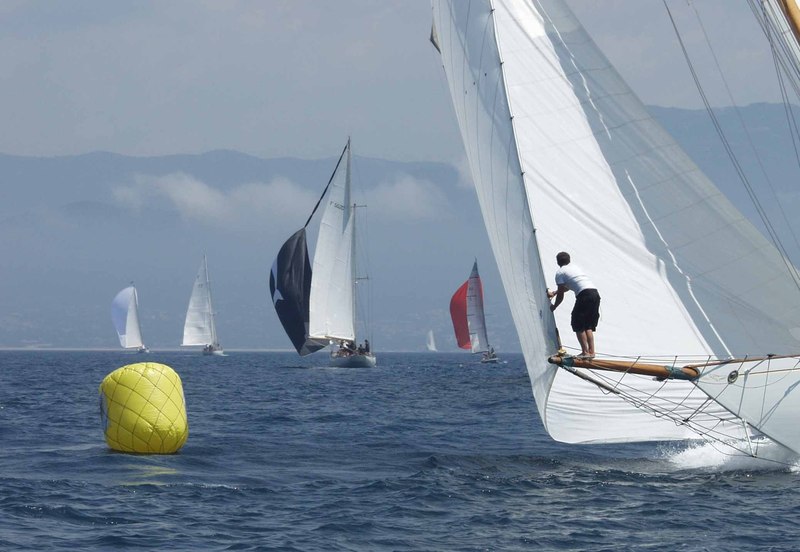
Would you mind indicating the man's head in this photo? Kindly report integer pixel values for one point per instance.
(562, 258)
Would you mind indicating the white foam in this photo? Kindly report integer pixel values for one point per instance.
(722, 457)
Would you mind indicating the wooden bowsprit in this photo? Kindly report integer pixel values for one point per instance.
(658, 371)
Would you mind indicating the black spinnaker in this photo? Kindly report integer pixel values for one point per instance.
(290, 287)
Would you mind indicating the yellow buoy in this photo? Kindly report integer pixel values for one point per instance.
(143, 409)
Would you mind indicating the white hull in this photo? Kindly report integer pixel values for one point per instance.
(354, 361)
(208, 350)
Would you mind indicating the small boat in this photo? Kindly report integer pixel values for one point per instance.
(431, 343)
(469, 320)
(317, 307)
(125, 316)
(199, 327)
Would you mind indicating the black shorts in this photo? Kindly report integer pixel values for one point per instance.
(586, 312)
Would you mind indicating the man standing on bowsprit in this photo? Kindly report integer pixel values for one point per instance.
(586, 312)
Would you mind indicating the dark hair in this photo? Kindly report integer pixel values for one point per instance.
(562, 258)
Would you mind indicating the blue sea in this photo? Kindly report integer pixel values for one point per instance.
(424, 452)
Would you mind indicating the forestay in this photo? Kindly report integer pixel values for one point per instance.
(555, 137)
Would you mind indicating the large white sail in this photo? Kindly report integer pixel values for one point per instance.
(565, 157)
(199, 327)
(332, 310)
(125, 316)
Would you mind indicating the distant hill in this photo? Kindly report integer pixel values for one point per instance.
(75, 230)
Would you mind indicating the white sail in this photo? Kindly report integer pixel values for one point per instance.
(199, 327)
(476, 318)
(332, 302)
(125, 315)
(565, 157)
(431, 343)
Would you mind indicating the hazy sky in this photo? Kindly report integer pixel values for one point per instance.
(294, 77)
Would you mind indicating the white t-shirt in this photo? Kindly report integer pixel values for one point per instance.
(574, 278)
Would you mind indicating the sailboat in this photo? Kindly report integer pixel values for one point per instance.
(700, 326)
(469, 320)
(199, 327)
(430, 344)
(320, 310)
(125, 316)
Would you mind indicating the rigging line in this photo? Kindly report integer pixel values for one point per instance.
(329, 183)
(728, 149)
(706, 427)
(769, 20)
(714, 119)
(362, 247)
(742, 123)
(781, 62)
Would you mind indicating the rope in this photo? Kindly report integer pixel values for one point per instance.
(732, 156)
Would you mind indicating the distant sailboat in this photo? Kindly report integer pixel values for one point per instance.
(431, 343)
(321, 309)
(199, 327)
(469, 320)
(125, 316)
(548, 124)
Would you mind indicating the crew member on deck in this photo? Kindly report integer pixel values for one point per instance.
(586, 312)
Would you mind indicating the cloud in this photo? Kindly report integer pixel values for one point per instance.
(247, 206)
(407, 198)
(464, 173)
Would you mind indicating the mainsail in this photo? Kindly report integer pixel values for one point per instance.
(199, 327)
(125, 315)
(332, 306)
(466, 311)
(564, 156)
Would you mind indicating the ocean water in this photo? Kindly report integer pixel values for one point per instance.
(424, 452)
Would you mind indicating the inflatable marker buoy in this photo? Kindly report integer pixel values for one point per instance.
(143, 409)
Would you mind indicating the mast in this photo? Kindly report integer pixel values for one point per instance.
(352, 207)
(210, 304)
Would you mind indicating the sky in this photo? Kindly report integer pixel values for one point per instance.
(293, 77)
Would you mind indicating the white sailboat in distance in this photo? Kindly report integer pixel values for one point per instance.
(430, 344)
(469, 318)
(704, 344)
(200, 329)
(125, 316)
